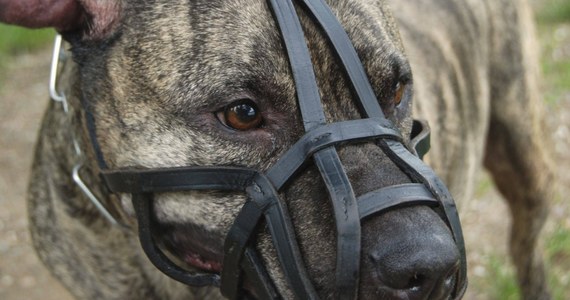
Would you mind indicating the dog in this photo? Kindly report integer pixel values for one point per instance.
(208, 83)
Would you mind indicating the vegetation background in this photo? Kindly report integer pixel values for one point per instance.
(24, 68)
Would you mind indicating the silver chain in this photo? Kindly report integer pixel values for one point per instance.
(59, 54)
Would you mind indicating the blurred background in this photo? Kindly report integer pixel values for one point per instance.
(24, 68)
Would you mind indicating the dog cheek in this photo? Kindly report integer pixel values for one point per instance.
(127, 205)
(211, 210)
(311, 215)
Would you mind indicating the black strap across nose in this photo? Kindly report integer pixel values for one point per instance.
(318, 143)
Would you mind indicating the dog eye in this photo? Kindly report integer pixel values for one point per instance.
(400, 89)
(241, 115)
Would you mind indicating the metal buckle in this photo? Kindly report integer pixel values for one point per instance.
(59, 54)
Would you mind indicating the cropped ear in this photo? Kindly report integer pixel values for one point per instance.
(96, 18)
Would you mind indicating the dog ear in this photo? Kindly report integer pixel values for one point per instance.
(95, 18)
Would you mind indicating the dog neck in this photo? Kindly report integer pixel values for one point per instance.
(77, 154)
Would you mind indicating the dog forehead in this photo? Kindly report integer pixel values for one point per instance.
(202, 50)
(216, 46)
(177, 60)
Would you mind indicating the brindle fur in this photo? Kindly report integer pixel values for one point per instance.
(487, 53)
(154, 85)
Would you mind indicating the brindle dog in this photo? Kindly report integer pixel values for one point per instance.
(167, 80)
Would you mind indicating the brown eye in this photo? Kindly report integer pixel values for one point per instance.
(400, 89)
(242, 115)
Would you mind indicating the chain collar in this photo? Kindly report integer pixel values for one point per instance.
(60, 55)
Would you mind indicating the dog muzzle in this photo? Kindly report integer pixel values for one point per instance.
(262, 188)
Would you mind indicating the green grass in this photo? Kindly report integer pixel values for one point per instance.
(558, 262)
(553, 19)
(558, 246)
(500, 283)
(554, 11)
(484, 185)
(555, 66)
(15, 40)
(501, 279)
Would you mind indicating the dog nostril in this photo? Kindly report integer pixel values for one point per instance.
(420, 285)
(413, 257)
(416, 282)
(450, 278)
(417, 272)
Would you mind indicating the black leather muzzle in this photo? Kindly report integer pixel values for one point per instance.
(262, 188)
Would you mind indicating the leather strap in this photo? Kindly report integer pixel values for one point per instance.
(255, 271)
(264, 200)
(347, 221)
(420, 172)
(143, 208)
(347, 55)
(178, 179)
(325, 136)
(300, 62)
(392, 196)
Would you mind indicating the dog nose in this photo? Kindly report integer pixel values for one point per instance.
(419, 273)
(418, 264)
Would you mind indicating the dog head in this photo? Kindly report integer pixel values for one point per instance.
(208, 83)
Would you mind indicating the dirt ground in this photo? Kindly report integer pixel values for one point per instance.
(23, 97)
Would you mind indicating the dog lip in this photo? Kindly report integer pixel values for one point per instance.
(200, 261)
(195, 247)
(199, 249)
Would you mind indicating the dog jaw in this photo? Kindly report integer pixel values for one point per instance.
(192, 245)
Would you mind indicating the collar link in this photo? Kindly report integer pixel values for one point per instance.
(60, 55)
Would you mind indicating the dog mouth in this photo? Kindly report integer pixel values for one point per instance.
(195, 249)
(192, 248)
